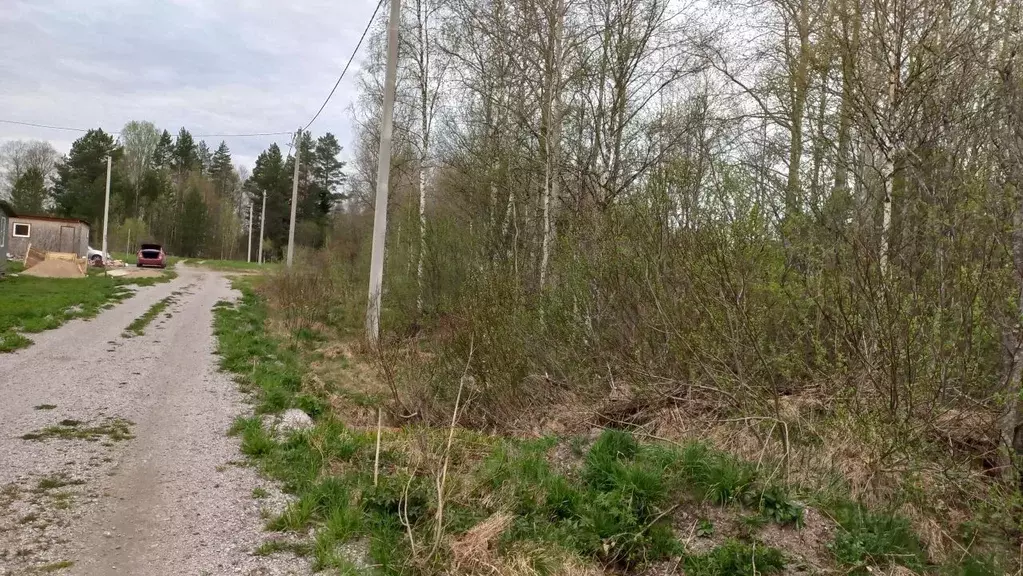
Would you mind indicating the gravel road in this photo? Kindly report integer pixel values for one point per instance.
(113, 452)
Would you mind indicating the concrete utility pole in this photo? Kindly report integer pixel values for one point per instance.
(106, 211)
(376, 267)
(294, 199)
(248, 254)
(262, 224)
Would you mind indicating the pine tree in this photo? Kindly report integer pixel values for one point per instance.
(205, 158)
(270, 175)
(29, 192)
(184, 156)
(81, 177)
(328, 173)
(222, 169)
(164, 151)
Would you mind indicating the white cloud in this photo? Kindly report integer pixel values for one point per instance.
(212, 66)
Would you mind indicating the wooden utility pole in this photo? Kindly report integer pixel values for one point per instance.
(248, 253)
(294, 199)
(106, 212)
(262, 225)
(376, 267)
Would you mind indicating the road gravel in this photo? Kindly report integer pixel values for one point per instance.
(127, 468)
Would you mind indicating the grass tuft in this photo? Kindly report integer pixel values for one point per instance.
(113, 429)
(55, 566)
(138, 326)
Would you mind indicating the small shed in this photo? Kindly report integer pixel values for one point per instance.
(47, 233)
(6, 213)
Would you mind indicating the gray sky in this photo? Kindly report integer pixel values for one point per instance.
(213, 66)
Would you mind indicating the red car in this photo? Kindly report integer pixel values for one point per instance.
(152, 255)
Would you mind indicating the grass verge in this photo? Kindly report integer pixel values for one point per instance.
(469, 503)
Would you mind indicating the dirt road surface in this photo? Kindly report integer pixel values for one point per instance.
(114, 457)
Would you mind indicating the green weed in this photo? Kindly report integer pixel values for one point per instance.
(774, 504)
(868, 538)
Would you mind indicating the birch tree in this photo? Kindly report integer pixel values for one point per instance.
(427, 67)
(139, 141)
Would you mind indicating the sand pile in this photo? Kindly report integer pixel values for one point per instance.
(55, 269)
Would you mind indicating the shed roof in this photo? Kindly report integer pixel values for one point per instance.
(49, 218)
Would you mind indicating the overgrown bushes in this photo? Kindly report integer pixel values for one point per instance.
(796, 338)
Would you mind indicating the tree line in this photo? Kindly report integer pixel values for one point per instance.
(175, 190)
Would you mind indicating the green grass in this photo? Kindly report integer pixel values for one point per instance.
(31, 305)
(260, 363)
(11, 341)
(138, 325)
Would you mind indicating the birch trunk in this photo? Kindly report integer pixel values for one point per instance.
(550, 191)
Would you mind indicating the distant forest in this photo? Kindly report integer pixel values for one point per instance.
(176, 191)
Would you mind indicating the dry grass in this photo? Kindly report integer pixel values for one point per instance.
(475, 549)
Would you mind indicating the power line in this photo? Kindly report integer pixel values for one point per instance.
(42, 126)
(352, 57)
(69, 129)
(240, 135)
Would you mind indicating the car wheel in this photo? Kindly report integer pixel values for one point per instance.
(138, 265)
